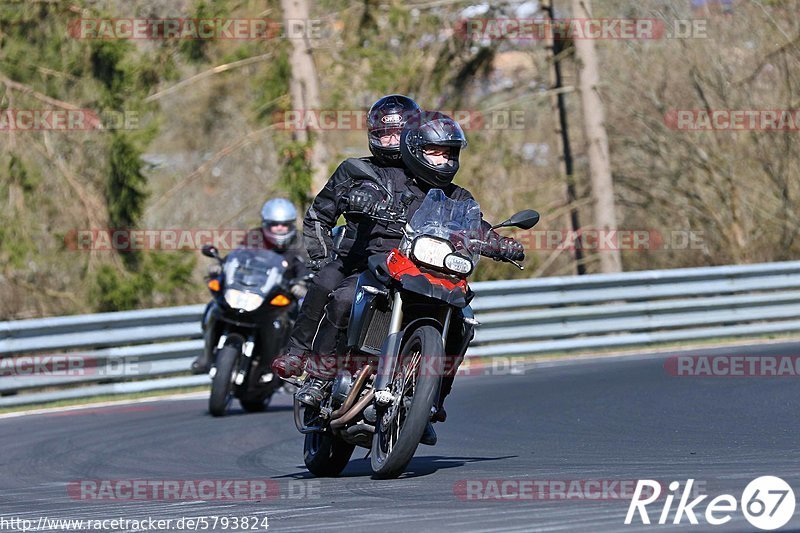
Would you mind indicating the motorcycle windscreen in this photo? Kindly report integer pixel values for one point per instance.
(254, 271)
(456, 221)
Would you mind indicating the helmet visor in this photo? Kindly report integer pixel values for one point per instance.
(276, 227)
(385, 137)
(444, 131)
(440, 156)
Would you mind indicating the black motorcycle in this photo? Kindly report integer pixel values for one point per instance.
(252, 314)
(407, 304)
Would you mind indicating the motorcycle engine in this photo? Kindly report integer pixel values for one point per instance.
(341, 386)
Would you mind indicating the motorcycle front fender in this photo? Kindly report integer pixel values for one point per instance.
(391, 350)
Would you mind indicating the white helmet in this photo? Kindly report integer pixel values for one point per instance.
(279, 212)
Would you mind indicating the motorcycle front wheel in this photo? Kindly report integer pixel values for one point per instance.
(415, 385)
(222, 384)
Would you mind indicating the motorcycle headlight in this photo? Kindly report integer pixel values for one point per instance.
(458, 264)
(431, 251)
(242, 300)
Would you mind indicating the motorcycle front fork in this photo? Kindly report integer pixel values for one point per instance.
(397, 317)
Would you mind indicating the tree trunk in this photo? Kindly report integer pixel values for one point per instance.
(559, 108)
(304, 88)
(596, 139)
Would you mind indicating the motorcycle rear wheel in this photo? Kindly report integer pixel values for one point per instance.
(324, 454)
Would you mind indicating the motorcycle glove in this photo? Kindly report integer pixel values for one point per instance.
(499, 248)
(512, 249)
(362, 201)
(315, 265)
(299, 290)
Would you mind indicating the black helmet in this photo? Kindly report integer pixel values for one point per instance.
(430, 129)
(389, 114)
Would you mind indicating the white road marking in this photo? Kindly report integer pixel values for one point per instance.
(109, 403)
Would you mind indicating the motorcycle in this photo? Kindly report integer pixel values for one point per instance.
(406, 304)
(253, 311)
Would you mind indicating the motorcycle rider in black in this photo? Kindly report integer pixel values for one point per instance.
(379, 207)
(385, 121)
(278, 233)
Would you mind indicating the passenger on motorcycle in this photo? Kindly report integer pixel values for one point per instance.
(430, 146)
(385, 121)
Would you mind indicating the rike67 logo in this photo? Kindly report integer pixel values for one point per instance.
(767, 503)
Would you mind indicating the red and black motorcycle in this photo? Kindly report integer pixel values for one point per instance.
(406, 305)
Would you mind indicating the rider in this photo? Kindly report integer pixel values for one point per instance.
(430, 146)
(278, 233)
(385, 121)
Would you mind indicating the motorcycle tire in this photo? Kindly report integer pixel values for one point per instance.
(223, 382)
(395, 442)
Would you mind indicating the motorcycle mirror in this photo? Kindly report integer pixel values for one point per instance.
(524, 220)
(209, 250)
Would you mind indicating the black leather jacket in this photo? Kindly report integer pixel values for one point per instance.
(395, 192)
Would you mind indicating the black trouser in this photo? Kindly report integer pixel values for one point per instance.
(325, 314)
(312, 312)
(333, 324)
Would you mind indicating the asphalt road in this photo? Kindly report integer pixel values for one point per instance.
(619, 419)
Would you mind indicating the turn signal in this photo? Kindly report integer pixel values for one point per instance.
(214, 285)
(280, 301)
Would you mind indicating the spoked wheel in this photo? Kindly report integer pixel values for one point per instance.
(223, 382)
(416, 381)
(324, 454)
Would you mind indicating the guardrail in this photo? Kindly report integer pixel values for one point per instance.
(137, 351)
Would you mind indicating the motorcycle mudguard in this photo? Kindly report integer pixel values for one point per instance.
(468, 331)
(421, 285)
(391, 350)
(211, 328)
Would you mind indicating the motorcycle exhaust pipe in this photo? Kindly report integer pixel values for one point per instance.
(354, 411)
(359, 428)
(351, 396)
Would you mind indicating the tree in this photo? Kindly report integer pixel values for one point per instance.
(596, 139)
(304, 87)
(556, 49)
